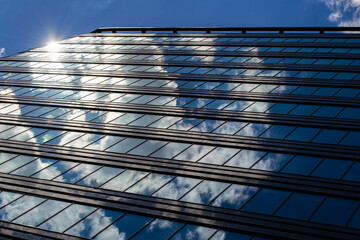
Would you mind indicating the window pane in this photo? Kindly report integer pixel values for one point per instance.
(176, 188)
(93, 224)
(66, 218)
(193, 232)
(158, 229)
(193, 153)
(235, 196)
(204, 192)
(41, 212)
(124, 228)
(150, 184)
(335, 211)
(300, 206)
(219, 155)
(302, 165)
(266, 201)
(100, 176)
(18, 207)
(124, 180)
(245, 158)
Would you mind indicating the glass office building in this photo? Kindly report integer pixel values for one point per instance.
(183, 133)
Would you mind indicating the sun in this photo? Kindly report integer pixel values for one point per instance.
(52, 46)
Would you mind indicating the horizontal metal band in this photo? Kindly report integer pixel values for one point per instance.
(293, 147)
(194, 33)
(15, 231)
(243, 30)
(279, 98)
(226, 44)
(178, 211)
(258, 178)
(194, 77)
(207, 53)
(345, 124)
(299, 67)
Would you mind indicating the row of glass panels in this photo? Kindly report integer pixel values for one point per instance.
(187, 102)
(99, 223)
(234, 157)
(238, 128)
(192, 58)
(188, 70)
(295, 205)
(201, 48)
(100, 39)
(183, 84)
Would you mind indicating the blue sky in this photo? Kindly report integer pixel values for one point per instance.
(27, 24)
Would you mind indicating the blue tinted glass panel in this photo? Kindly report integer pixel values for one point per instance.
(332, 168)
(351, 139)
(277, 132)
(353, 173)
(124, 228)
(18, 207)
(235, 196)
(303, 134)
(94, 223)
(176, 188)
(351, 113)
(304, 110)
(266, 201)
(281, 108)
(299, 206)
(41, 212)
(272, 162)
(224, 235)
(158, 229)
(193, 232)
(335, 211)
(150, 184)
(219, 155)
(253, 130)
(302, 165)
(329, 136)
(245, 158)
(204, 192)
(327, 111)
(194, 152)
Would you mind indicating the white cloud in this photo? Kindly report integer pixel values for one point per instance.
(2, 52)
(344, 12)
